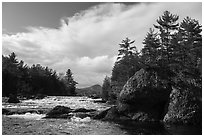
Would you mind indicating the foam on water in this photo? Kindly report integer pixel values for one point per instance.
(81, 120)
(33, 116)
(52, 101)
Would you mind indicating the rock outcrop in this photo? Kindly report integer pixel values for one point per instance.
(144, 96)
(184, 107)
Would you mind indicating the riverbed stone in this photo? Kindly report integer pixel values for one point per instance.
(82, 115)
(59, 112)
(112, 114)
(83, 110)
(101, 114)
(6, 112)
(13, 99)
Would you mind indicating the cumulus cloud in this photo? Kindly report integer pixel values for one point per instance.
(87, 42)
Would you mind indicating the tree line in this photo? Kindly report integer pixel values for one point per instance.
(172, 49)
(20, 79)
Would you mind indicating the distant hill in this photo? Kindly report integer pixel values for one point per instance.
(93, 91)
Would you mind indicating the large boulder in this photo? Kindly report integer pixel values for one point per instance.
(59, 112)
(144, 93)
(185, 107)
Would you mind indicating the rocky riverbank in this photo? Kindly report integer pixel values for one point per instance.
(146, 97)
(77, 116)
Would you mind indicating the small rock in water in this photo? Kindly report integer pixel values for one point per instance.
(13, 99)
(59, 112)
(5, 111)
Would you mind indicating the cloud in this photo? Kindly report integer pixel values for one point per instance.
(87, 42)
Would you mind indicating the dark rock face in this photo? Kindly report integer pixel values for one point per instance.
(83, 110)
(101, 114)
(6, 112)
(39, 96)
(146, 94)
(82, 115)
(59, 112)
(184, 107)
(13, 99)
(112, 114)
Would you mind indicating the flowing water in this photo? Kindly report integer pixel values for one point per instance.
(33, 123)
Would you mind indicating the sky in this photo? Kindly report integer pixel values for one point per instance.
(82, 36)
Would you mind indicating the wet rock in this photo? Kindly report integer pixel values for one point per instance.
(82, 115)
(59, 112)
(142, 117)
(99, 101)
(83, 110)
(40, 96)
(144, 92)
(112, 114)
(13, 99)
(184, 107)
(94, 97)
(101, 114)
(6, 112)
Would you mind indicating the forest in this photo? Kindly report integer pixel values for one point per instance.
(21, 80)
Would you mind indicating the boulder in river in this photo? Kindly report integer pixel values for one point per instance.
(145, 93)
(59, 112)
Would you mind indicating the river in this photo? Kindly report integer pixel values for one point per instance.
(33, 123)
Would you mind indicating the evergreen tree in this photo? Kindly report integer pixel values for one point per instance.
(9, 74)
(151, 49)
(190, 31)
(19, 79)
(167, 26)
(126, 49)
(70, 83)
(106, 88)
(125, 67)
(188, 52)
(127, 62)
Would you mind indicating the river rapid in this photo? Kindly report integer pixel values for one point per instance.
(33, 123)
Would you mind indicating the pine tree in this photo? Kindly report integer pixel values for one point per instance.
(126, 49)
(127, 61)
(125, 67)
(189, 48)
(106, 88)
(167, 26)
(191, 38)
(70, 83)
(150, 51)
